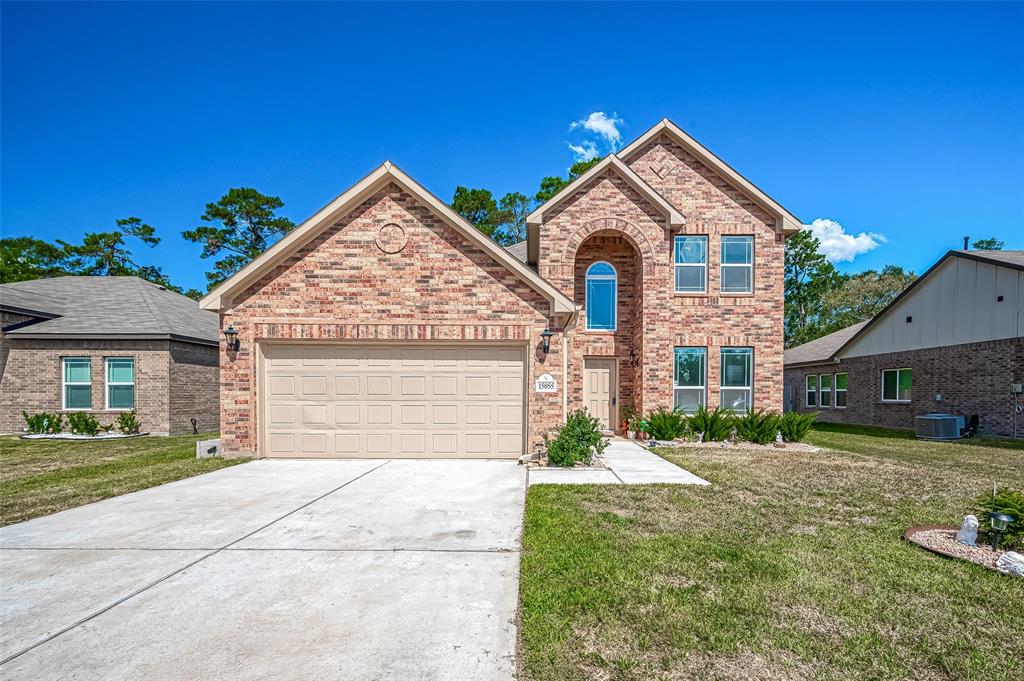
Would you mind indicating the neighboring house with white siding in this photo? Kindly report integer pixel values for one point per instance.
(953, 342)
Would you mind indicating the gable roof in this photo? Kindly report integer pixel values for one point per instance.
(786, 222)
(613, 162)
(106, 307)
(821, 349)
(825, 348)
(221, 297)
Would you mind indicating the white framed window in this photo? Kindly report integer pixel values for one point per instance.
(120, 383)
(737, 264)
(691, 264)
(601, 296)
(737, 379)
(76, 388)
(689, 379)
(840, 391)
(811, 391)
(896, 385)
(825, 390)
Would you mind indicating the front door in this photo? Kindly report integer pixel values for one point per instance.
(599, 390)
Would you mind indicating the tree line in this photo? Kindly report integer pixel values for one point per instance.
(243, 223)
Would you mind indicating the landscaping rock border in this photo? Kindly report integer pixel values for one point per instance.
(76, 436)
(941, 540)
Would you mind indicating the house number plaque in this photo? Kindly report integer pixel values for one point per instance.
(545, 384)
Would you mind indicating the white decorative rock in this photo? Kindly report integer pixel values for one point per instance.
(1011, 563)
(968, 533)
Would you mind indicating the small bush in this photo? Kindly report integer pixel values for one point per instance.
(758, 426)
(795, 426)
(629, 416)
(1010, 502)
(83, 424)
(714, 425)
(666, 424)
(128, 422)
(44, 423)
(577, 440)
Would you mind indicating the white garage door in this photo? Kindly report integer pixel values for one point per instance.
(410, 401)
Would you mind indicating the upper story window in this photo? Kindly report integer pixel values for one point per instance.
(602, 295)
(737, 264)
(691, 264)
(120, 383)
(77, 388)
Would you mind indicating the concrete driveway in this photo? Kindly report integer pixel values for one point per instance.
(274, 569)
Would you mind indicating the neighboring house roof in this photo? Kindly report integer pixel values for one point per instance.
(825, 348)
(106, 307)
(613, 162)
(517, 251)
(821, 349)
(221, 297)
(787, 223)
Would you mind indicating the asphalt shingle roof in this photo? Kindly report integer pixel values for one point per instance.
(821, 349)
(99, 307)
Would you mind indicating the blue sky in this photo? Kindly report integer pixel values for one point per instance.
(903, 121)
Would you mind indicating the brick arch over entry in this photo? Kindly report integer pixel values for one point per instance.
(633, 234)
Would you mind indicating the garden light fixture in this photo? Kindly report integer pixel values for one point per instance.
(545, 340)
(231, 338)
(999, 521)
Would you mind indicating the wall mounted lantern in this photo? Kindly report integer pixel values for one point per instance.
(231, 338)
(545, 340)
(633, 359)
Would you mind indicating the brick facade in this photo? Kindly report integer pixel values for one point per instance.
(173, 381)
(342, 286)
(973, 378)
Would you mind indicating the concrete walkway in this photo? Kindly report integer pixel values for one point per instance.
(273, 570)
(628, 464)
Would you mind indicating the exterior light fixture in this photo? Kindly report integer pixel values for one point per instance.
(633, 360)
(999, 523)
(231, 338)
(545, 340)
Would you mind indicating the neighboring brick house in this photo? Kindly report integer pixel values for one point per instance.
(104, 345)
(953, 342)
(388, 326)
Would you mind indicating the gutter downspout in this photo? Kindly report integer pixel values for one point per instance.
(570, 324)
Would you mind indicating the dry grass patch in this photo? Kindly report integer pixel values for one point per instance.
(790, 565)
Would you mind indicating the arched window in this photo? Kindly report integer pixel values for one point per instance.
(602, 295)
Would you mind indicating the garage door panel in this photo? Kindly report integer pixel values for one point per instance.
(394, 401)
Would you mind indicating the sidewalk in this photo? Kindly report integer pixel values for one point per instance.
(628, 464)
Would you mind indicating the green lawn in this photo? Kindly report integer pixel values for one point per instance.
(789, 565)
(39, 477)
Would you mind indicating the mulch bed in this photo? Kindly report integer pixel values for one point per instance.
(941, 539)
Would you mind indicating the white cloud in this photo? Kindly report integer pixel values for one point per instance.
(837, 245)
(602, 124)
(583, 151)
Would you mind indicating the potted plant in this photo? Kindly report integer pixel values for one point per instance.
(628, 415)
(642, 428)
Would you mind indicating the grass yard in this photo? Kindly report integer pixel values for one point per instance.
(789, 566)
(39, 477)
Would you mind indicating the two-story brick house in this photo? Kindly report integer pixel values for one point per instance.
(387, 326)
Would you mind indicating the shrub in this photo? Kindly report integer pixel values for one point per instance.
(128, 422)
(795, 426)
(758, 426)
(83, 424)
(577, 440)
(1010, 502)
(666, 424)
(44, 422)
(714, 425)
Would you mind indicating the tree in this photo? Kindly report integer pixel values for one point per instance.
(863, 295)
(513, 209)
(549, 186)
(247, 226)
(107, 254)
(24, 257)
(809, 278)
(478, 207)
(990, 244)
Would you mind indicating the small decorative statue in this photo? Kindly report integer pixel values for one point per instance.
(968, 533)
(1011, 563)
